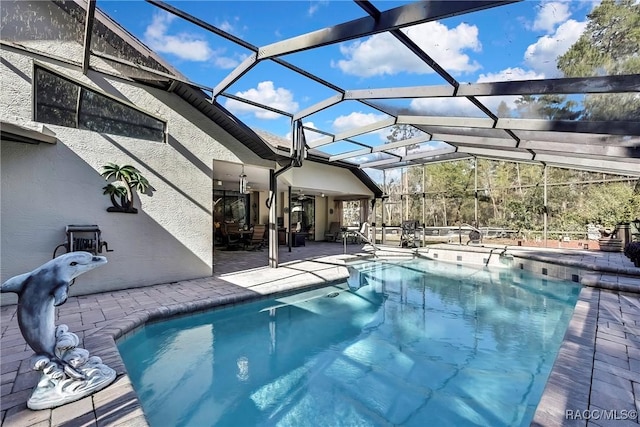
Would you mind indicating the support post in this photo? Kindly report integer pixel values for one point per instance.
(545, 212)
(271, 204)
(475, 192)
(424, 202)
(289, 230)
(384, 186)
(404, 191)
(273, 226)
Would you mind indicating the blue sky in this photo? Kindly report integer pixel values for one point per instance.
(513, 42)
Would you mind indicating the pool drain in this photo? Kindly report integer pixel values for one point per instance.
(333, 294)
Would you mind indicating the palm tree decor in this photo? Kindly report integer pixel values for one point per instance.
(127, 180)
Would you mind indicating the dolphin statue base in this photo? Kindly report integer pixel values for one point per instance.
(68, 372)
(58, 384)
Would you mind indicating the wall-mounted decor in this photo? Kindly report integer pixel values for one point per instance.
(127, 180)
(330, 211)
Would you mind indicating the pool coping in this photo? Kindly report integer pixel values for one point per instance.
(584, 354)
(573, 365)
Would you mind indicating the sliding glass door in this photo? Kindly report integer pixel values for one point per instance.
(230, 207)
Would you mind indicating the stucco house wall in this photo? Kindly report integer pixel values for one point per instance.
(323, 177)
(46, 187)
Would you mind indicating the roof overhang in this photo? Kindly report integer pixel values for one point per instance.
(11, 132)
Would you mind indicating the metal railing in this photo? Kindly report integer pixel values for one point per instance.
(359, 233)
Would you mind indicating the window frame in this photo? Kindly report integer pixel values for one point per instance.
(84, 87)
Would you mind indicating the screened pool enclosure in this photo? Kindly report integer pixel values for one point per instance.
(513, 151)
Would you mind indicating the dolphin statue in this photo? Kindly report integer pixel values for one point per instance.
(43, 289)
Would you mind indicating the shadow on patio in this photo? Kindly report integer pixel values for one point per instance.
(234, 261)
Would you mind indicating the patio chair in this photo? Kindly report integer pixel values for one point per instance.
(231, 235)
(256, 241)
(332, 234)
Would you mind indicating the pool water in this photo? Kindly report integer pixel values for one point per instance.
(419, 343)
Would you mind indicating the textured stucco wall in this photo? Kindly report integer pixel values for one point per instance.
(323, 177)
(46, 187)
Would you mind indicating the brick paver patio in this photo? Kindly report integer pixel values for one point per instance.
(596, 374)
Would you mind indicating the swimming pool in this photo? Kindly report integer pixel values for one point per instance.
(419, 343)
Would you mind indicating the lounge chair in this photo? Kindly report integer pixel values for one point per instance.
(333, 233)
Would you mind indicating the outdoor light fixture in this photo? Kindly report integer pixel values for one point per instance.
(243, 182)
(219, 182)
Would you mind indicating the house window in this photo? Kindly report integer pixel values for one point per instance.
(351, 213)
(60, 101)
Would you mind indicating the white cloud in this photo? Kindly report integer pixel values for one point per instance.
(315, 5)
(189, 47)
(227, 63)
(461, 107)
(311, 135)
(508, 74)
(265, 93)
(308, 134)
(382, 54)
(184, 46)
(550, 14)
(356, 119)
(226, 26)
(542, 56)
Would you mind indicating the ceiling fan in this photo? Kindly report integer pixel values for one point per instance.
(300, 197)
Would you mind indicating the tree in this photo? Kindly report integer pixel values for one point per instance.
(551, 107)
(402, 132)
(448, 185)
(412, 176)
(611, 204)
(503, 110)
(610, 45)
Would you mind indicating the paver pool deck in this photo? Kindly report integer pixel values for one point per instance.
(595, 380)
